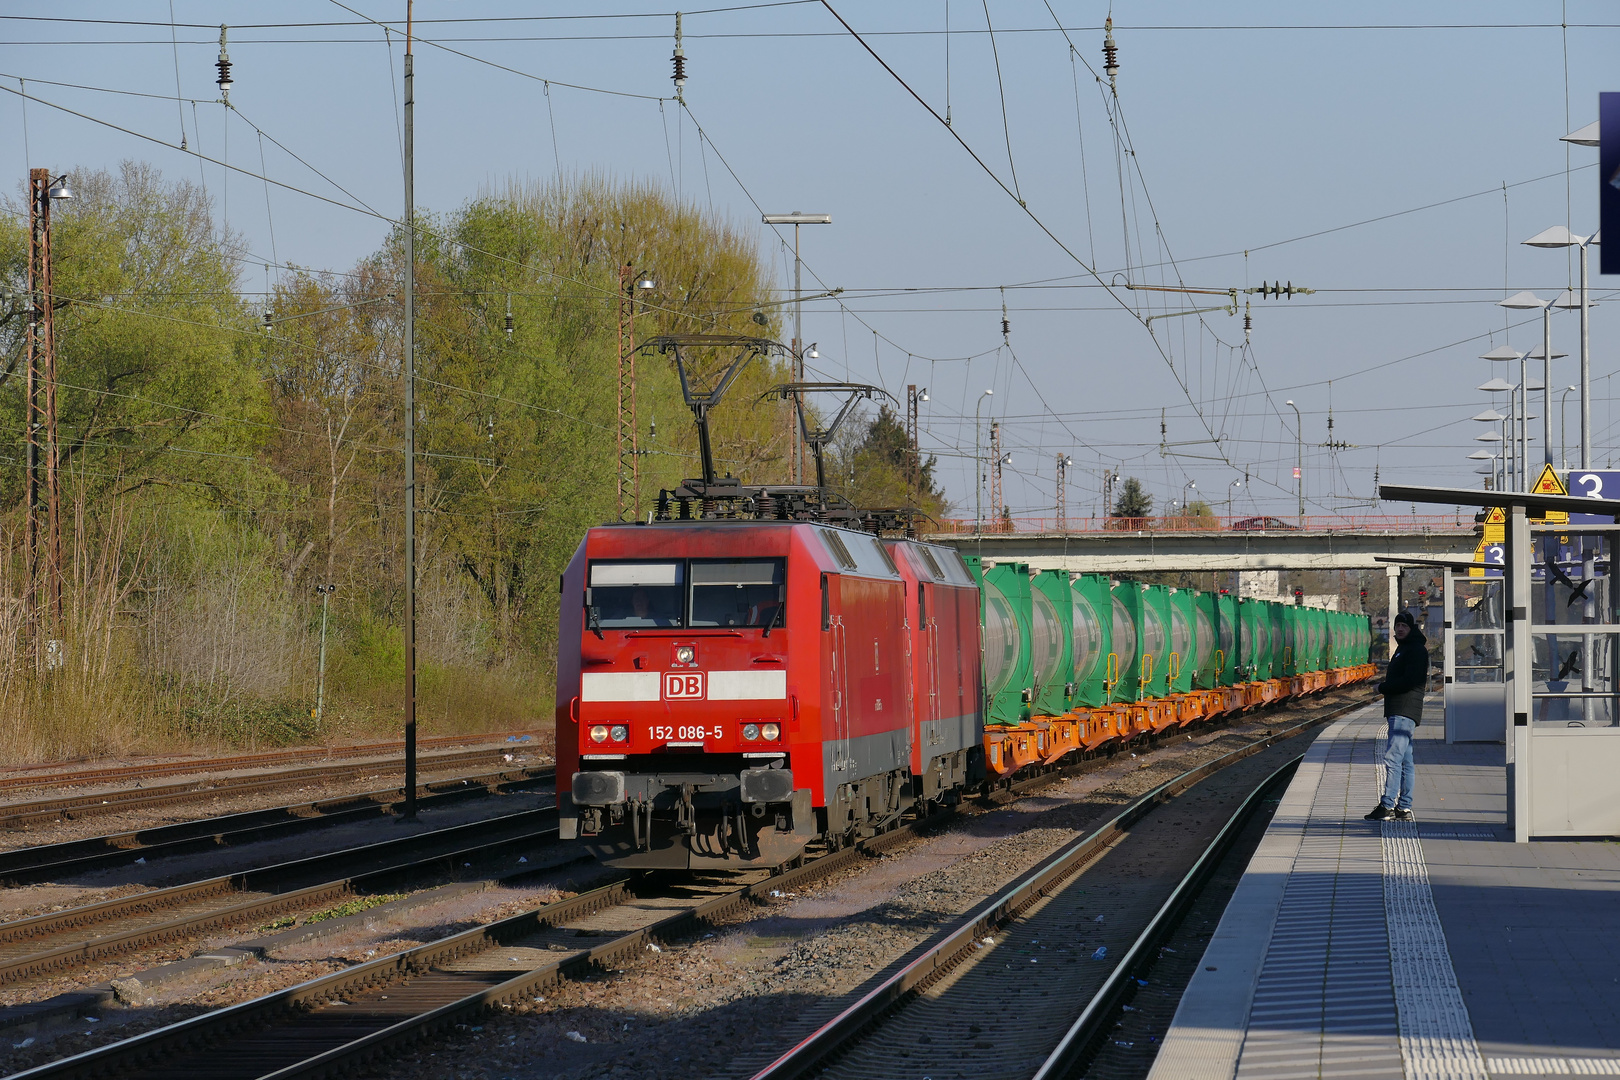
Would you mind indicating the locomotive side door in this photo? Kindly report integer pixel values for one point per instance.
(835, 735)
(928, 626)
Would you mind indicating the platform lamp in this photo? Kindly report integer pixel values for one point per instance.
(1518, 426)
(1491, 416)
(1529, 301)
(1559, 236)
(1488, 470)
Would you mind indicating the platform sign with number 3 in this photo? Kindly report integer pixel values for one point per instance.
(1593, 484)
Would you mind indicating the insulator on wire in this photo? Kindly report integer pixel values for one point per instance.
(679, 60)
(1248, 323)
(1006, 326)
(509, 317)
(224, 66)
(1110, 52)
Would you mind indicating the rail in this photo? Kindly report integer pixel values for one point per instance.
(813, 1052)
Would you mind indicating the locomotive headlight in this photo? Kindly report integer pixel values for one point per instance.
(771, 732)
(751, 732)
(685, 654)
(599, 733)
(621, 733)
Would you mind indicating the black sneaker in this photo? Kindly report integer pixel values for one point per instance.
(1404, 815)
(1381, 813)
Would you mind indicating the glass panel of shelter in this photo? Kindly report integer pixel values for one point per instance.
(1477, 629)
(1574, 624)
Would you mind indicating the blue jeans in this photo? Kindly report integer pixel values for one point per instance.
(1400, 772)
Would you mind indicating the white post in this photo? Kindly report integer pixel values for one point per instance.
(1519, 657)
(1393, 573)
(1546, 383)
(1586, 369)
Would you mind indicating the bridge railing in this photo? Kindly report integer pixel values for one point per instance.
(1248, 523)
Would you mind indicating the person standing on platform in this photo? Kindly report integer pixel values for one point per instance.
(1405, 680)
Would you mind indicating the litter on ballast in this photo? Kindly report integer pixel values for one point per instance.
(577, 1037)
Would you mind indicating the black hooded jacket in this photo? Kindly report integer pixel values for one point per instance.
(1406, 677)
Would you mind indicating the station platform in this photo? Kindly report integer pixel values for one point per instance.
(1437, 949)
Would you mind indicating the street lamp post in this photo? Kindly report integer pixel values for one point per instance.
(1230, 488)
(1489, 416)
(1528, 301)
(1496, 386)
(1560, 237)
(796, 219)
(1518, 402)
(978, 466)
(1299, 461)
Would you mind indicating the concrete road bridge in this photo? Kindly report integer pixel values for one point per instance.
(1168, 545)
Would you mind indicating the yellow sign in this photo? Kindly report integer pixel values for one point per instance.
(1495, 527)
(1497, 516)
(1548, 483)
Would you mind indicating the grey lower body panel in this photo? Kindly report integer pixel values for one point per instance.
(949, 734)
(845, 761)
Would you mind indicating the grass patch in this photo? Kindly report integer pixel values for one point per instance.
(348, 907)
(355, 906)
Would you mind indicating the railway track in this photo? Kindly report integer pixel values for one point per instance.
(53, 862)
(331, 1025)
(31, 776)
(997, 995)
(62, 939)
(22, 814)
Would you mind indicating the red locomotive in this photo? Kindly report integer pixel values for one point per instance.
(742, 688)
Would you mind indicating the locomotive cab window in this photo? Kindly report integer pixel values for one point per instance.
(743, 592)
(632, 595)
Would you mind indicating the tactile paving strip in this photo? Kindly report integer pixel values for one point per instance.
(1323, 1006)
(1437, 1038)
(1528, 1066)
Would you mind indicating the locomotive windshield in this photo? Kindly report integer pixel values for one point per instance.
(742, 593)
(687, 593)
(628, 595)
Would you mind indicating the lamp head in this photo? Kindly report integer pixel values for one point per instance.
(812, 354)
(61, 189)
(645, 282)
(1523, 301)
(1556, 237)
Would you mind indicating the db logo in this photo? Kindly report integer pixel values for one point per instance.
(683, 685)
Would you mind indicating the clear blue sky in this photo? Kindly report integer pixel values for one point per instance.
(1245, 125)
